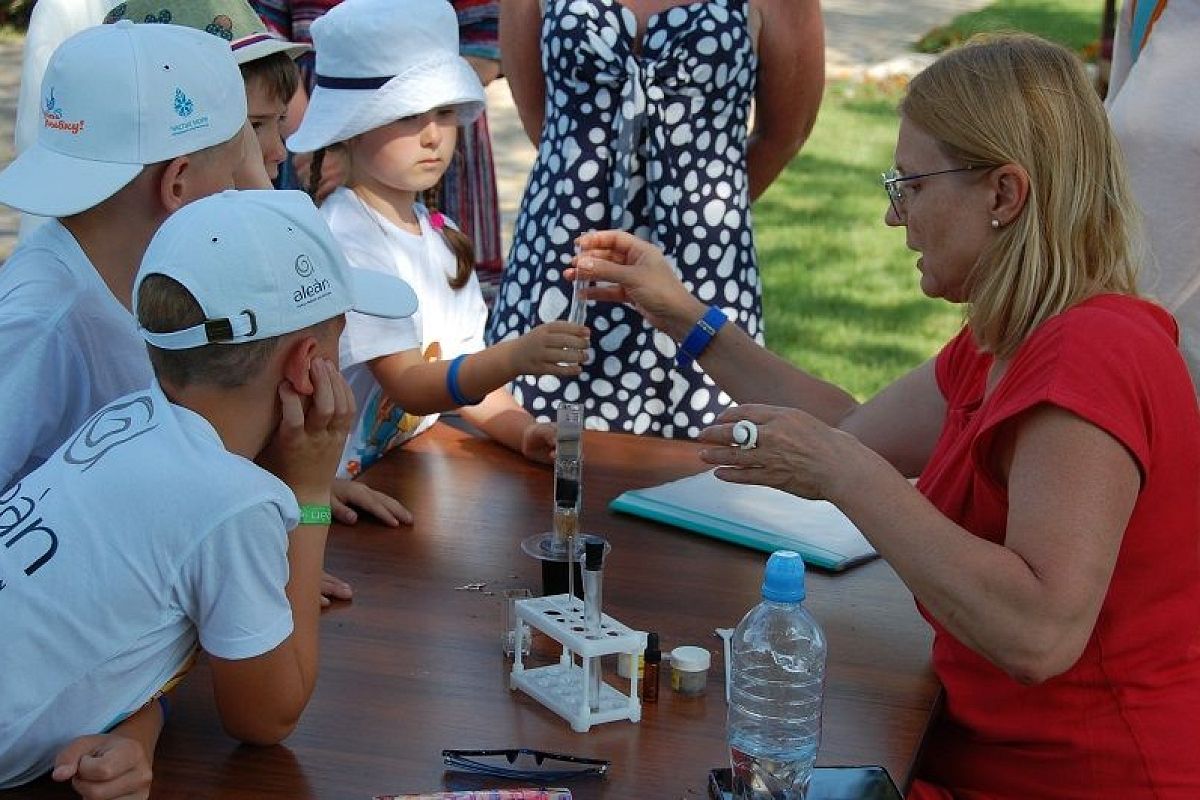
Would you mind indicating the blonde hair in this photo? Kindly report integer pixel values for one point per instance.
(1018, 99)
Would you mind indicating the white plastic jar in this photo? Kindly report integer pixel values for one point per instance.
(689, 670)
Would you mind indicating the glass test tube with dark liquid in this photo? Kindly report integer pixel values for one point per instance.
(568, 464)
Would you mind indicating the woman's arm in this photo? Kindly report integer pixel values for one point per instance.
(1028, 605)
(791, 79)
(901, 422)
(521, 62)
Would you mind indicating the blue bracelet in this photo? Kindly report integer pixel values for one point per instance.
(699, 337)
(452, 387)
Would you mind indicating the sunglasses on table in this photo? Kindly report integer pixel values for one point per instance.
(524, 764)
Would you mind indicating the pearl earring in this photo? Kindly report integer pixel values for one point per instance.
(995, 223)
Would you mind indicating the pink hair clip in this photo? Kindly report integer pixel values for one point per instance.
(437, 220)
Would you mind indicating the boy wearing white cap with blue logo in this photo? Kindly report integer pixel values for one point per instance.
(241, 298)
(136, 121)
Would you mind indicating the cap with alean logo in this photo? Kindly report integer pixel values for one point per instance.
(261, 264)
(116, 98)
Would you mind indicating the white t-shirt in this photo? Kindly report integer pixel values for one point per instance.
(139, 535)
(66, 345)
(448, 322)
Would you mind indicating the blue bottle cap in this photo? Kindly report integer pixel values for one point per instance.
(784, 578)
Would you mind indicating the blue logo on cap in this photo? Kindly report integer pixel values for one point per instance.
(183, 104)
(52, 110)
(52, 117)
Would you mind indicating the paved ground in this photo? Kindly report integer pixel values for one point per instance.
(860, 35)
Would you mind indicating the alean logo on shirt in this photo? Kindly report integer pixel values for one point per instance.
(18, 520)
(52, 117)
(312, 291)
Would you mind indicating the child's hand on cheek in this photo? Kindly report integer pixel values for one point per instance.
(538, 442)
(312, 431)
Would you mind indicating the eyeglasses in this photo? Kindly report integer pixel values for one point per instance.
(892, 179)
(524, 764)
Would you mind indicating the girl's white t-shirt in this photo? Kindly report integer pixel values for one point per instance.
(448, 322)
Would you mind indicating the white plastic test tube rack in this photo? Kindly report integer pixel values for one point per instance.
(562, 687)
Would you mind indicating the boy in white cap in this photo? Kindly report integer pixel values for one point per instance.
(266, 61)
(136, 122)
(241, 298)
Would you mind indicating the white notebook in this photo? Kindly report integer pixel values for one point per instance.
(754, 516)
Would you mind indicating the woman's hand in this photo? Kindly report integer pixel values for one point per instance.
(555, 348)
(794, 452)
(641, 276)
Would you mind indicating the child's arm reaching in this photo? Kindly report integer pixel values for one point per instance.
(421, 387)
(500, 417)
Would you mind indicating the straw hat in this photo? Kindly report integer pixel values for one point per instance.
(235, 21)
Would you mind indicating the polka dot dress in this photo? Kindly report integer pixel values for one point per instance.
(650, 141)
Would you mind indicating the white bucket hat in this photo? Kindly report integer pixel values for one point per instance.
(261, 263)
(235, 21)
(380, 60)
(116, 98)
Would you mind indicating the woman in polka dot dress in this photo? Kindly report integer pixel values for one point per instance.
(640, 113)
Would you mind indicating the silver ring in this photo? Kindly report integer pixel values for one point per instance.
(745, 434)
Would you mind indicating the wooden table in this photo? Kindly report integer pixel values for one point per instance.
(413, 665)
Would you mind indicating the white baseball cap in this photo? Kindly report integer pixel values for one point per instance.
(116, 98)
(379, 61)
(261, 263)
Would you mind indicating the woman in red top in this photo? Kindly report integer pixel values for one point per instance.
(1053, 537)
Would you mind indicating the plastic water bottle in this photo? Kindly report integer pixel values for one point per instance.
(777, 657)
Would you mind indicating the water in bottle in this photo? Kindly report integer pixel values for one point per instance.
(777, 657)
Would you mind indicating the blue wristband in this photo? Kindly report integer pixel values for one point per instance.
(699, 337)
(452, 387)
(164, 705)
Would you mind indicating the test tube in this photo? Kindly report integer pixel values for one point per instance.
(593, 590)
(578, 312)
(568, 465)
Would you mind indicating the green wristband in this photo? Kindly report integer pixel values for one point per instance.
(316, 515)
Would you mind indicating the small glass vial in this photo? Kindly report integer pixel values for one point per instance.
(689, 670)
(651, 659)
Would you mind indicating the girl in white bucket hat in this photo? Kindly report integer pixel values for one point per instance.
(391, 86)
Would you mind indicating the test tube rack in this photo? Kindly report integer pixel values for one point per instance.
(562, 687)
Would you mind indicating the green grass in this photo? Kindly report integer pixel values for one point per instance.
(1073, 23)
(840, 289)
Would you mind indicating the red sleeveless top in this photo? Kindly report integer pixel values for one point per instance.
(1124, 721)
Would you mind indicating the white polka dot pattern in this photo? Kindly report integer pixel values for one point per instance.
(652, 142)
